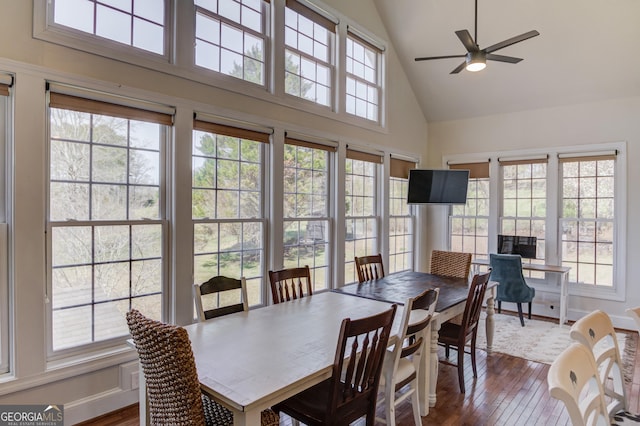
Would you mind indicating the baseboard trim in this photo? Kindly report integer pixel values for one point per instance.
(98, 404)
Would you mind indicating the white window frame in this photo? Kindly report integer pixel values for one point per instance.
(45, 28)
(6, 173)
(264, 36)
(409, 217)
(362, 38)
(326, 217)
(376, 214)
(262, 220)
(162, 221)
(552, 241)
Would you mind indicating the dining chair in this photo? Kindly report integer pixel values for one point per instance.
(369, 267)
(573, 379)
(290, 284)
(450, 263)
(457, 335)
(402, 362)
(351, 391)
(227, 295)
(506, 269)
(169, 368)
(595, 331)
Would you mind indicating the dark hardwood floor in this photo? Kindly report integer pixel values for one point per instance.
(508, 391)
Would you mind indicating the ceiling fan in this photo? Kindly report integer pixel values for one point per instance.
(476, 58)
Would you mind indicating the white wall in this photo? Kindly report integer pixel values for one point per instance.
(593, 123)
(88, 390)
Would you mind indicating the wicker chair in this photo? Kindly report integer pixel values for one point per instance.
(173, 389)
(450, 263)
(369, 267)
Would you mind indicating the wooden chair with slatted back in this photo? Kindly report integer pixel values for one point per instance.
(450, 263)
(403, 361)
(227, 295)
(351, 391)
(457, 335)
(290, 284)
(369, 267)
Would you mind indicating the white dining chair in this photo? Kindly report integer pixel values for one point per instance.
(403, 361)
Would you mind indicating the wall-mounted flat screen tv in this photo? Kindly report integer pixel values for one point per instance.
(513, 244)
(437, 186)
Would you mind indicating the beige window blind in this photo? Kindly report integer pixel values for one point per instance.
(235, 132)
(590, 156)
(5, 83)
(362, 38)
(400, 168)
(323, 21)
(476, 170)
(307, 144)
(523, 160)
(364, 156)
(75, 103)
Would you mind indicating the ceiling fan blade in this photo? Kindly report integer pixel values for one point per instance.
(439, 57)
(466, 39)
(510, 41)
(459, 68)
(501, 58)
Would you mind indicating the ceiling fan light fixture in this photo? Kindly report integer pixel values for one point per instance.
(476, 61)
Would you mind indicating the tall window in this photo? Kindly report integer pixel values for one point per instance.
(524, 203)
(107, 219)
(361, 211)
(306, 208)
(588, 218)
(136, 23)
(5, 123)
(309, 39)
(364, 86)
(469, 223)
(400, 217)
(227, 202)
(231, 38)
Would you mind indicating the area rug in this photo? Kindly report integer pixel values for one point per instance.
(540, 341)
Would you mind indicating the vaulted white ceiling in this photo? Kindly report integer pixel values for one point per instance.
(587, 50)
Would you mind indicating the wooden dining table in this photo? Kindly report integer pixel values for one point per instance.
(398, 287)
(249, 361)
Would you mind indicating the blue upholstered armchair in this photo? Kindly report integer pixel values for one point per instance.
(506, 269)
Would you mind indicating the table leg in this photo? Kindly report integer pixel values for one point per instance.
(489, 322)
(247, 418)
(425, 372)
(433, 373)
(564, 298)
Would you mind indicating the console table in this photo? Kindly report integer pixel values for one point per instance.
(563, 271)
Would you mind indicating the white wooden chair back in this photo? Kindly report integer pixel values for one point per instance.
(596, 332)
(573, 379)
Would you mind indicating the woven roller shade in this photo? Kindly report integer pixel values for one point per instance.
(5, 83)
(586, 157)
(364, 156)
(516, 161)
(307, 144)
(314, 16)
(234, 132)
(476, 170)
(400, 168)
(75, 103)
(362, 38)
